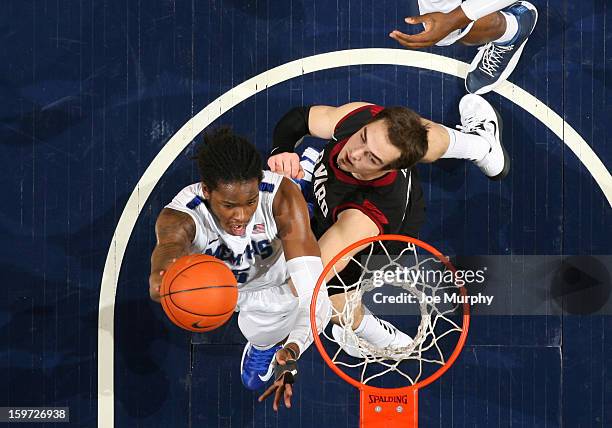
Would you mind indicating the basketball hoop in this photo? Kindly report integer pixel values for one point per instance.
(426, 358)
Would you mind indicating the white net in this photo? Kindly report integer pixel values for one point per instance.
(436, 317)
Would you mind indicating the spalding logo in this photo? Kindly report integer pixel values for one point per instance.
(374, 399)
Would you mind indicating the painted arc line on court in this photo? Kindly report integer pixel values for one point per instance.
(185, 135)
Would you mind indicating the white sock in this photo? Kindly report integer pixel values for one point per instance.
(373, 332)
(465, 146)
(263, 348)
(511, 29)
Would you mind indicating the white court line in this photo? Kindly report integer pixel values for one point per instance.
(234, 96)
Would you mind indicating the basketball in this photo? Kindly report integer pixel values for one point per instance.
(199, 293)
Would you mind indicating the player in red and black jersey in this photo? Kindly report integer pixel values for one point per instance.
(364, 183)
(384, 198)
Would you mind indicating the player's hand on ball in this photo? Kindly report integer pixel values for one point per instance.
(155, 280)
(285, 374)
(287, 164)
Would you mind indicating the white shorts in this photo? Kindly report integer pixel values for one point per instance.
(267, 316)
(445, 6)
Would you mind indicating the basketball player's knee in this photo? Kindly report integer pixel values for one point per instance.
(338, 302)
(261, 329)
(324, 305)
(484, 30)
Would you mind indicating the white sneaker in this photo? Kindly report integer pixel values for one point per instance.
(480, 118)
(399, 339)
(349, 345)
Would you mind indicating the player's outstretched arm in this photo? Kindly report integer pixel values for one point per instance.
(175, 232)
(317, 121)
(303, 261)
(304, 266)
(438, 25)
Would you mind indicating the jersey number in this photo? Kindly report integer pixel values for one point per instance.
(242, 275)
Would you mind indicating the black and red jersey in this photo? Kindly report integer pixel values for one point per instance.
(394, 201)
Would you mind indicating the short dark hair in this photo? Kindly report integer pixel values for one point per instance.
(225, 157)
(406, 132)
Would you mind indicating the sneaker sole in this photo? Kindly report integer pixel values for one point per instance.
(511, 64)
(504, 172)
(244, 352)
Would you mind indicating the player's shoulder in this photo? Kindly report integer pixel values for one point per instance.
(288, 197)
(194, 188)
(355, 117)
(189, 197)
(394, 186)
(276, 193)
(173, 222)
(281, 187)
(364, 107)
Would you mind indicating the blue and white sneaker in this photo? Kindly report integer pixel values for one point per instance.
(257, 367)
(494, 62)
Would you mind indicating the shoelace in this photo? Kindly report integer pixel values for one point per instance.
(492, 57)
(260, 360)
(471, 125)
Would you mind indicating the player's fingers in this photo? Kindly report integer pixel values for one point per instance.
(295, 168)
(278, 166)
(410, 41)
(272, 164)
(277, 398)
(267, 393)
(421, 37)
(288, 395)
(415, 19)
(287, 167)
(300, 173)
(274, 388)
(154, 290)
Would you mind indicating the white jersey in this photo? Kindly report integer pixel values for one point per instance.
(257, 257)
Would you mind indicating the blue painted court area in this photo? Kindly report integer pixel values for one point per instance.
(92, 91)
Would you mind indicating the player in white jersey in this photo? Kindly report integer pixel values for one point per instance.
(258, 224)
(256, 255)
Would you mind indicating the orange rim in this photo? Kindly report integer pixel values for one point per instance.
(317, 340)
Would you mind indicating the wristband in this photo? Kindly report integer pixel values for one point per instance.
(476, 9)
